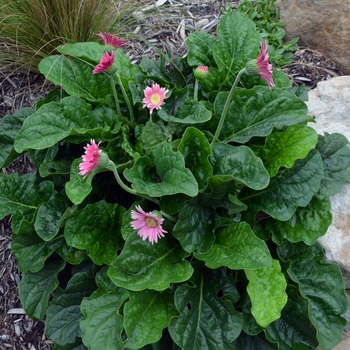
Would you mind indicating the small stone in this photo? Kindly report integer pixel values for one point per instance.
(202, 23)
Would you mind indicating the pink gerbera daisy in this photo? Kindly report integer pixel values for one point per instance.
(90, 158)
(154, 97)
(111, 40)
(261, 66)
(148, 225)
(106, 64)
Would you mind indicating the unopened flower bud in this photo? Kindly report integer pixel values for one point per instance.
(201, 72)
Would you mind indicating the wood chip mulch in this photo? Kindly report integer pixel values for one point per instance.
(163, 27)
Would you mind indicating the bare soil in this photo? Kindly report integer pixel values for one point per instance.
(165, 27)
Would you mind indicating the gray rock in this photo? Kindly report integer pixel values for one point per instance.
(329, 103)
(320, 24)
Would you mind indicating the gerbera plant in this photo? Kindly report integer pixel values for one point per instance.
(177, 202)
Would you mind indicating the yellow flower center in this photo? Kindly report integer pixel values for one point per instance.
(152, 223)
(155, 99)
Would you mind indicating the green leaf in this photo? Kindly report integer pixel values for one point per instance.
(78, 187)
(241, 164)
(63, 313)
(307, 224)
(257, 111)
(266, 289)
(58, 167)
(76, 77)
(282, 149)
(196, 150)
(146, 314)
(238, 42)
(54, 122)
(294, 188)
(322, 285)
(195, 227)
(207, 321)
(90, 51)
(142, 265)
(35, 288)
(293, 330)
(335, 153)
(96, 229)
(49, 214)
(164, 173)
(190, 112)
(199, 46)
(152, 134)
(102, 324)
(238, 248)
(9, 127)
(247, 342)
(21, 198)
(29, 249)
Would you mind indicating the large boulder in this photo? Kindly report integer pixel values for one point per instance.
(329, 103)
(323, 25)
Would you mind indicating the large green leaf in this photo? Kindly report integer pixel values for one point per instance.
(335, 153)
(195, 148)
(76, 77)
(49, 214)
(241, 164)
(146, 314)
(90, 51)
(199, 49)
(282, 149)
(142, 265)
(164, 173)
(257, 111)
(102, 324)
(307, 224)
(322, 285)
(29, 249)
(190, 112)
(195, 227)
(54, 122)
(96, 229)
(63, 313)
(266, 289)
(236, 247)
(238, 42)
(35, 288)
(9, 127)
(208, 320)
(21, 198)
(294, 188)
(293, 330)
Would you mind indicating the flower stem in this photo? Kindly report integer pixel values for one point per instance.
(227, 105)
(126, 99)
(170, 218)
(127, 188)
(195, 94)
(115, 95)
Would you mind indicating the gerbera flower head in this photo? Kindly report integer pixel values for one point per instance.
(154, 97)
(261, 66)
(201, 72)
(106, 64)
(149, 225)
(91, 158)
(112, 41)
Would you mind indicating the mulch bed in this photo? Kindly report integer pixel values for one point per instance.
(166, 27)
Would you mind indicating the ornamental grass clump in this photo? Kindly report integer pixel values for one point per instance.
(32, 29)
(172, 210)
